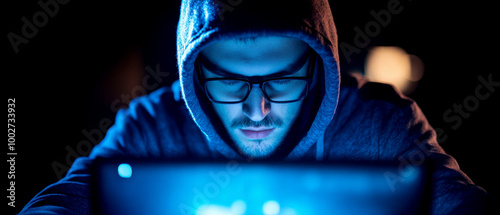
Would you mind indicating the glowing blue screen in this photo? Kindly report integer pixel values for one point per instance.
(272, 189)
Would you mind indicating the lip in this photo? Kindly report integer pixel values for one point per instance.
(256, 133)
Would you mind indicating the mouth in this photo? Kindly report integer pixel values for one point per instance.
(256, 132)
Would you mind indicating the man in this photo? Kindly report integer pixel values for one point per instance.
(260, 80)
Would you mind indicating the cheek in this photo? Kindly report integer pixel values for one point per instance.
(227, 112)
(287, 111)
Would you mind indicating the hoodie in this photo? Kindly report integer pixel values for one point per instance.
(354, 120)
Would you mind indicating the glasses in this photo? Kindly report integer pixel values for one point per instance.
(277, 90)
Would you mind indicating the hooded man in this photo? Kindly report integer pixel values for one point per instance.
(261, 80)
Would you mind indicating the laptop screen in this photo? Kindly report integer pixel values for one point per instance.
(234, 188)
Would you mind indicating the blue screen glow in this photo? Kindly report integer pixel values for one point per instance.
(230, 189)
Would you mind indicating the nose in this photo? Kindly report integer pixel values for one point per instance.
(256, 106)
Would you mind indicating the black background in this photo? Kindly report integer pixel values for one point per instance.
(92, 52)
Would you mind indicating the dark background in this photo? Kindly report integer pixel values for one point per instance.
(91, 53)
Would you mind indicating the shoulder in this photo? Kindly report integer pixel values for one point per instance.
(153, 125)
(162, 102)
(161, 111)
(374, 92)
(372, 118)
(361, 100)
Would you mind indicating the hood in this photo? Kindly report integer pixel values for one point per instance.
(203, 22)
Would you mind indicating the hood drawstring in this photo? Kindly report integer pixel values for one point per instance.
(176, 88)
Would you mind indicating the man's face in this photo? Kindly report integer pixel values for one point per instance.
(256, 125)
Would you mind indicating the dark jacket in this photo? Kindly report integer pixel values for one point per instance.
(355, 120)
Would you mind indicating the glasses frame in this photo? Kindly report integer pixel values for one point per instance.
(250, 84)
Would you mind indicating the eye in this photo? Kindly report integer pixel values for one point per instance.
(230, 82)
(281, 81)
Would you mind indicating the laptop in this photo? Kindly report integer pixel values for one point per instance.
(272, 188)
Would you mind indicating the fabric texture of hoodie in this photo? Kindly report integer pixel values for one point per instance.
(355, 119)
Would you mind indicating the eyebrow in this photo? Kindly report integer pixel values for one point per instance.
(288, 70)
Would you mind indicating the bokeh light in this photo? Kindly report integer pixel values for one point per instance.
(125, 170)
(271, 208)
(238, 207)
(392, 65)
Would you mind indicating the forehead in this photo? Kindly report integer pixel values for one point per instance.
(258, 56)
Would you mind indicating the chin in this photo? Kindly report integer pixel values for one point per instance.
(257, 149)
